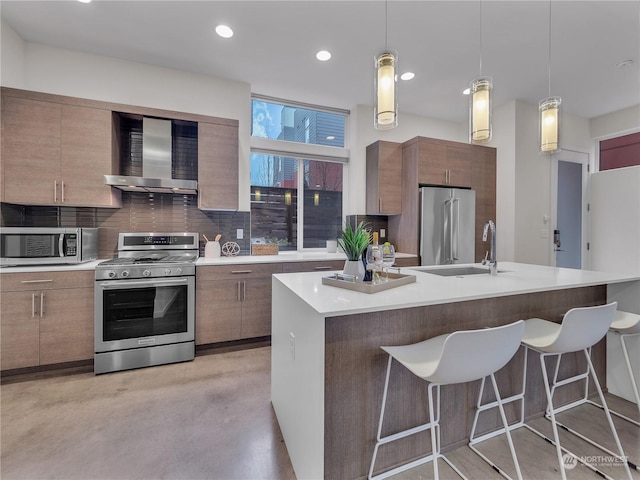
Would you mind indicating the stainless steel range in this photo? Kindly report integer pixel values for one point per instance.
(145, 302)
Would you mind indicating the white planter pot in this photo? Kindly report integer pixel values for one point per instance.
(355, 268)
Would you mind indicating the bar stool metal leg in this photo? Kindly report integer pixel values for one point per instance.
(499, 402)
(634, 385)
(551, 415)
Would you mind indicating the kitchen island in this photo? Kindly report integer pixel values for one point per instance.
(328, 369)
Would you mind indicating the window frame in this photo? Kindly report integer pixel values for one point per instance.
(301, 152)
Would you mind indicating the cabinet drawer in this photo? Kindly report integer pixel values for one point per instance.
(238, 272)
(325, 265)
(46, 280)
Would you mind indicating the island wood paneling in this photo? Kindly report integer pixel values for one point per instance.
(355, 369)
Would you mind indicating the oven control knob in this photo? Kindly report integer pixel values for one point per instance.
(178, 271)
(167, 271)
(125, 273)
(112, 274)
(146, 273)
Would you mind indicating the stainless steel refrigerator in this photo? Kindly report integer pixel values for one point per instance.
(447, 226)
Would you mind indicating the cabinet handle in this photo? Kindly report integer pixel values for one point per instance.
(238, 293)
(41, 304)
(55, 191)
(379, 204)
(323, 268)
(36, 281)
(244, 290)
(62, 189)
(241, 271)
(33, 305)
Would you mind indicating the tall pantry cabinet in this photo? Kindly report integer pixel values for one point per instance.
(434, 162)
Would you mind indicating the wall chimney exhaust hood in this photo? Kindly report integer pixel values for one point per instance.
(156, 164)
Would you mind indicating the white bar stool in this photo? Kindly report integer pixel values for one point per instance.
(458, 357)
(581, 328)
(627, 324)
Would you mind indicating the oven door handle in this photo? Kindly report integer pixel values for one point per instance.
(145, 283)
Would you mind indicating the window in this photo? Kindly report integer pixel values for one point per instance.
(297, 174)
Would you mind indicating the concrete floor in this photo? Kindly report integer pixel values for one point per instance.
(207, 419)
(211, 419)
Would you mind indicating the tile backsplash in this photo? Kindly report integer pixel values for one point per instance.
(140, 212)
(376, 223)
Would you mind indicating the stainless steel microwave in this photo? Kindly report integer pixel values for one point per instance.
(47, 246)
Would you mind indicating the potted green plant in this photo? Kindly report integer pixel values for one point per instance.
(354, 243)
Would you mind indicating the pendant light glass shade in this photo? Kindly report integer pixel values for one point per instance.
(480, 107)
(385, 90)
(549, 124)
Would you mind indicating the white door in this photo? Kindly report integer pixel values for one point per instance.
(570, 175)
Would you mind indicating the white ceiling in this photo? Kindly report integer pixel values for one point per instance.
(274, 46)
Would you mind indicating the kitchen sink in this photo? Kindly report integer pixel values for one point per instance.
(454, 271)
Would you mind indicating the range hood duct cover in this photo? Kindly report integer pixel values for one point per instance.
(156, 164)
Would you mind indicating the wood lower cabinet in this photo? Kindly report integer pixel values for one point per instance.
(46, 318)
(218, 166)
(319, 266)
(233, 301)
(56, 154)
(407, 262)
(20, 330)
(66, 325)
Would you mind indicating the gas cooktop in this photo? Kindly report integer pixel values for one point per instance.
(151, 255)
(151, 259)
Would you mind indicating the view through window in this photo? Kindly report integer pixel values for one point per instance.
(288, 190)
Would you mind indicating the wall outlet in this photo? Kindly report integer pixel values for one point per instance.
(292, 345)
(239, 233)
(383, 233)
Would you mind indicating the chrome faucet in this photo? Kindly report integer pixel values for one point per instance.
(492, 262)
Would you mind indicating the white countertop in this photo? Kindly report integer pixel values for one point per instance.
(241, 259)
(281, 257)
(430, 289)
(52, 268)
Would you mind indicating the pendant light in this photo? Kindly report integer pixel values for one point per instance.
(480, 103)
(385, 112)
(549, 113)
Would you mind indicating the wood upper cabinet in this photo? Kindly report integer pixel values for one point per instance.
(218, 166)
(443, 163)
(30, 151)
(46, 318)
(87, 156)
(384, 178)
(56, 154)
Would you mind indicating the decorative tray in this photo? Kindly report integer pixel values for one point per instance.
(348, 282)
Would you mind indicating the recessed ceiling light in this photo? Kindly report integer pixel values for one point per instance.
(323, 55)
(84, 1)
(224, 31)
(466, 91)
(407, 76)
(624, 63)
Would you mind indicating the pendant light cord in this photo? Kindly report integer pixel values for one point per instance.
(549, 48)
(480, 37)
(386, 21)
